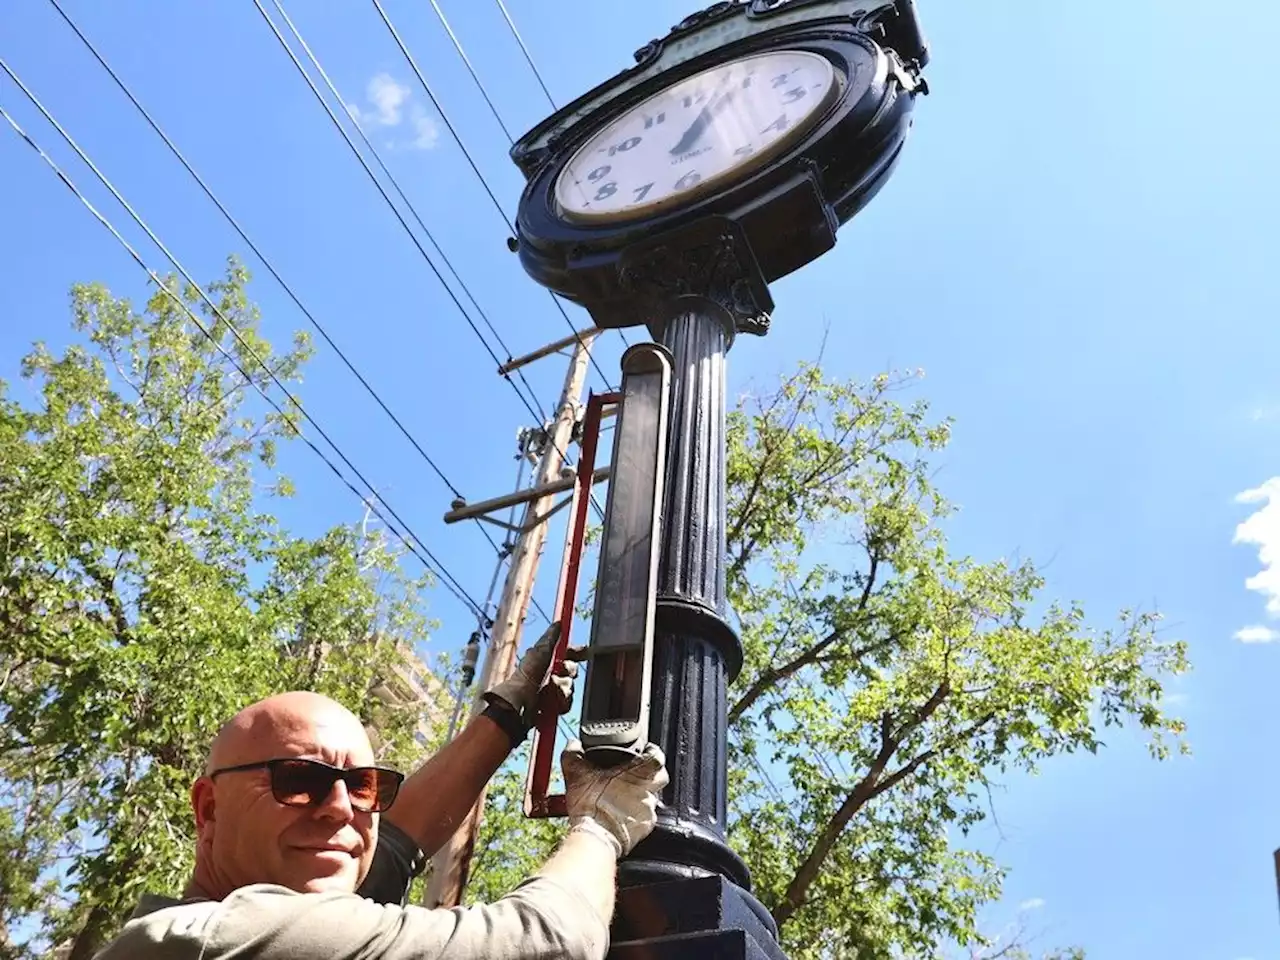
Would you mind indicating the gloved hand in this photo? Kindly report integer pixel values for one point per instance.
(618, 804)
(520, 690)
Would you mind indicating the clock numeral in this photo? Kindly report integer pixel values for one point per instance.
(642, 192)
(780, 124)
(690, 179)
(780, 80)
(607, 190)
(746, 81)
(628, 144)
(599, 173)
(745, 150)
(792, 95)
(650, 122)
(694, 99)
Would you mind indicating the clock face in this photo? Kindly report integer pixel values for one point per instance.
(697, 135)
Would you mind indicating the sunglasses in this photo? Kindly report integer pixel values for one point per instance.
(297, 782)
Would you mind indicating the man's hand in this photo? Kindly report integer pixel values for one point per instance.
(520, 690)
(618, 804)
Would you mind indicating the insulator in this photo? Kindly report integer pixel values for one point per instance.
(469, 659)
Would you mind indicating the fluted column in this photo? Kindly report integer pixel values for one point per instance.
(696, 652)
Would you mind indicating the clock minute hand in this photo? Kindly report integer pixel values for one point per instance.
(699, 125)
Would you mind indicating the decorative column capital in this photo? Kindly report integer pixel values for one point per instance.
(709, 261)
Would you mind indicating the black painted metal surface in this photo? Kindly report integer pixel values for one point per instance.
(694, 643)
(791, 208)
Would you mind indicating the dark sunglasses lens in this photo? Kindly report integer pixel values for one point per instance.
(301, 783)
(362, 788)
(305, 783)
(388, 786)
(372, 789)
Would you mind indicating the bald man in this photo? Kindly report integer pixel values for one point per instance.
(293, 817)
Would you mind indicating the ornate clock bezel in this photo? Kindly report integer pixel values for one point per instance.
(787, 211)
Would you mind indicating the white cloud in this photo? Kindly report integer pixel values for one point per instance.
(1257, 635)
(425, 130)
(389, 105)
(1262, 530)
(1026, 906)
(387, 98)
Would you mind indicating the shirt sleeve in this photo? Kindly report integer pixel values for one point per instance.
(539, 920)
(396, 861)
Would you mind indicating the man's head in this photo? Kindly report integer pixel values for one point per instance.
(245, 835)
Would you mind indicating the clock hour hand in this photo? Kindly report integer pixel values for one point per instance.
(699, 125)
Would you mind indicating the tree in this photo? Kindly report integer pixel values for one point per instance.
(888, 684)
(146, 595)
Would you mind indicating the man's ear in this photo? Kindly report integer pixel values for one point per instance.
(202, 804)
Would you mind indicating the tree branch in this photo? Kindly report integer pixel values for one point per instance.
(775, 675)
(107, 584)
(867, 789)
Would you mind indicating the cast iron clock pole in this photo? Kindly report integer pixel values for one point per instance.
(670, 197)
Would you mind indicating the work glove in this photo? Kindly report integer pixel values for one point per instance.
(617, 804)
(520, 690)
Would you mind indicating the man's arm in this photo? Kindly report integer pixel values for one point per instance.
(434, 800)
(581, 855)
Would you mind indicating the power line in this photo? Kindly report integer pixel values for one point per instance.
(533, 407)
(263, 258)
(502, 552)
(377, 155)
(539, 413)
(528, 57)
(450, 581)
(252, 246)
(435, 102)
(457, 45)
(511, 25)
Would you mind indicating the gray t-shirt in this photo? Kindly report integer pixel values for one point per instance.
(539, 920)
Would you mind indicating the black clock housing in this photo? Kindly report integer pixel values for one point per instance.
(787, 212)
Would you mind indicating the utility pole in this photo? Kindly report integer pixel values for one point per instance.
(451, 865)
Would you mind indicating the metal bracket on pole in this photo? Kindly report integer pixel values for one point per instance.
(537, 804)
(615, 701)
(615, 705)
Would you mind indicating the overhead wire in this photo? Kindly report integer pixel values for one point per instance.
(530, 402)
(287, 288)
(539, 413)
(528, 57)
(235, 224)
(497, 204)
(457, 43)
(408, 537)
(502, 551)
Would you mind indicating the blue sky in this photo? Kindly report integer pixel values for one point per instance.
(1078, 248)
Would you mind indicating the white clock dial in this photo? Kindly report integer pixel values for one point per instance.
(696, 135)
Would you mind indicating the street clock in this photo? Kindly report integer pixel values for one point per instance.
(782, 119)
(670, 197)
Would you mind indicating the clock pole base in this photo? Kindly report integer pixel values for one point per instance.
(704, 918)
